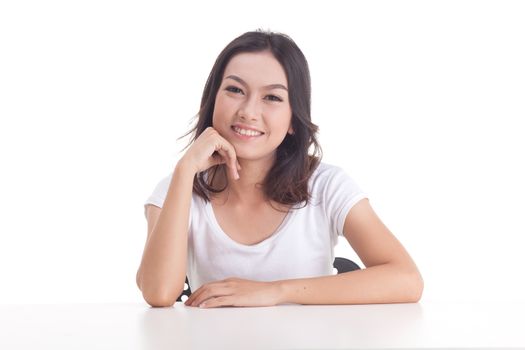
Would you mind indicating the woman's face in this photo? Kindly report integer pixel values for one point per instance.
(253, 94)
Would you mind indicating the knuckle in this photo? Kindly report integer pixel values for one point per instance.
(209, 131)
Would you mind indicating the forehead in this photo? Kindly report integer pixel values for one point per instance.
(257, 68)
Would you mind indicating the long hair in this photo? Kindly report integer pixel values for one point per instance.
(287, 180)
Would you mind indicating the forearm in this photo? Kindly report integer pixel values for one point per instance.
(163, 266)
(379, 284)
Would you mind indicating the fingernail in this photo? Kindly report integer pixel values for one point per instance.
(202, 305)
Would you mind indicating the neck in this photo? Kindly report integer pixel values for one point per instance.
(247, 191)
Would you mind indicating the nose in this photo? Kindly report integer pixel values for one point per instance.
(250, 109)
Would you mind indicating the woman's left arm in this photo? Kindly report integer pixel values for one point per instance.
(390, 276)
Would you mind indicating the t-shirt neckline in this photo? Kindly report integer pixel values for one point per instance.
(218, 229)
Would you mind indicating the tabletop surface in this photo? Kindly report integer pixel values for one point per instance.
(139, 326)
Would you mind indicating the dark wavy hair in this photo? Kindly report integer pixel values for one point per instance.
(287, 180)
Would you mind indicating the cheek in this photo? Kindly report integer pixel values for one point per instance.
(224, 108)
(281, 122)
(219, 110)
(223, 103)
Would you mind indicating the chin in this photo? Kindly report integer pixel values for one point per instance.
(246, 155)
(249, 156)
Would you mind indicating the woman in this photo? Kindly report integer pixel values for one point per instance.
(249, 215)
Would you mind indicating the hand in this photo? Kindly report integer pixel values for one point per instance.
(210, 149)
(236, 292)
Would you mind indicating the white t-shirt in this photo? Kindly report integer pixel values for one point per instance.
(301, 247)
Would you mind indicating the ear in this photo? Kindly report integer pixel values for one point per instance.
(290, 130)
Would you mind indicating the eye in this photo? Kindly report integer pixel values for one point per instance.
(233, 89)
(275, 98)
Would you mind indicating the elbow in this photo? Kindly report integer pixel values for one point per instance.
(415, 292)
(158, 296)
(158, 300)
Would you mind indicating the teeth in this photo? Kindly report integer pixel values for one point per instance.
(246, 132)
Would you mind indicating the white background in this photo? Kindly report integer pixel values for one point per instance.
(421, 102)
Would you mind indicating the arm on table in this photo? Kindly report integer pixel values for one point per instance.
(391, 276)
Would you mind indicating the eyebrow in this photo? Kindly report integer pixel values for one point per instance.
(271, 86)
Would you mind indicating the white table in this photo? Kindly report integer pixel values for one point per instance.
(138, 326)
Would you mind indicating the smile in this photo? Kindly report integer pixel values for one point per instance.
(245, 132)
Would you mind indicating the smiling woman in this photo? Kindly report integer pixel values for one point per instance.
(249, 215)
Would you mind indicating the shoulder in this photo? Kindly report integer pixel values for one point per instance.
(157, 197)
(326, 173)
(160, 191)
(164, 184)
(331, 182)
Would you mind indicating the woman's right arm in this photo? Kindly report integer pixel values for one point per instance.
(162, 271)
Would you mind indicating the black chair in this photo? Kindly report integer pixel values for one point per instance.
(340, 264)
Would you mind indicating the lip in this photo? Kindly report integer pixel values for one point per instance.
(247, 127)
(244, 137)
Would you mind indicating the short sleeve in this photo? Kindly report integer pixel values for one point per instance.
(341, 193)
(158, 195)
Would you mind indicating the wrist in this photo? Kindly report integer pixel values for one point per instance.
(186, 166)
(281, 291)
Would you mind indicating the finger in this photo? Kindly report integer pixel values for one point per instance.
(231, 156)
(211, 292)
(213, 289)
(232, 164)
(195, 294)
(217, 302)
